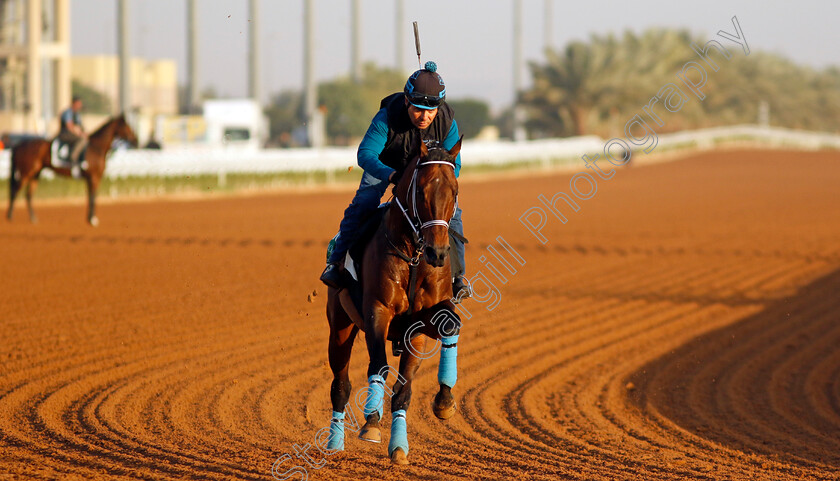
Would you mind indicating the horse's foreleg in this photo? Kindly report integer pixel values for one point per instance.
(398, 445)
(92, 186)
(342, 334)
(449, 329)
(30, 189)
(376, 329)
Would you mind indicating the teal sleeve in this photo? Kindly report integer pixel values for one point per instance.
(372, 145)
(452, 139)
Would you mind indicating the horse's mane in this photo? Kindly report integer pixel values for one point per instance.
(436, 154)
(108, 123)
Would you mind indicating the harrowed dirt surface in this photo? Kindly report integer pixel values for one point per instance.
(684, 324)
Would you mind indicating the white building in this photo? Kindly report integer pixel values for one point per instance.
(234, 123)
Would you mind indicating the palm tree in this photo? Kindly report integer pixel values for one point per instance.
(569, 86)
(590, 82)
(599, 85)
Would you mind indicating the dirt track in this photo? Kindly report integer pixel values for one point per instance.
(682, 325)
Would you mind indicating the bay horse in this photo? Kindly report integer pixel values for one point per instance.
(31, 157)
(413, 235)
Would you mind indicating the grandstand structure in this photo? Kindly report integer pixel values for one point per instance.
(34, 64)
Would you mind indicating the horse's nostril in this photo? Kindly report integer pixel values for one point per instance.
(436, 256)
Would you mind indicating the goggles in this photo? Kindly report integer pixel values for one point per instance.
(425, 102)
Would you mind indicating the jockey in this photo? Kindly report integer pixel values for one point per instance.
(72, 131)
(391, 142)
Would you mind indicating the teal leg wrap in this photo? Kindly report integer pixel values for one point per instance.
(448, 368)
(399, 432)
(375, 393)
(336, 441)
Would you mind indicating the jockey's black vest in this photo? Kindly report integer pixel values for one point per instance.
(403, 142)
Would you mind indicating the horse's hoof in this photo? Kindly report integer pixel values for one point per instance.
(444, 405)
(94, 221)
(399, 457)
(371, 434)
(33, 220)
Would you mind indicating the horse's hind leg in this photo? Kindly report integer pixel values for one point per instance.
(342, 334)
(14, 188)
(398, 445)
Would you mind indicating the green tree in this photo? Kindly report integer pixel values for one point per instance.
(580, 88)
(798, 97)
(94, 101)
(350, 106)
(596, 86)
(285, 114)
(472, 115)
(572, 85)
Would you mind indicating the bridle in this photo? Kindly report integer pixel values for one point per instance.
(417, 225)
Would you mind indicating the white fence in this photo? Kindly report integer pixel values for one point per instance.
(174, 163)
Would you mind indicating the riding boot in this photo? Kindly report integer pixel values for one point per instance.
(75, 170)
(460, 285)
(461, 289)
(332, 276)
(366, 199)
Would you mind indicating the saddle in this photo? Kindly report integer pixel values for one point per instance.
(352, 264)
(61, 153)
(353, 268)
(366, 231)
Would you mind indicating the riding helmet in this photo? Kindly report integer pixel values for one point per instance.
(425, 88)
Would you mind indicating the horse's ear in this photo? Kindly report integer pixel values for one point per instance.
(456, 148)
(424, 151)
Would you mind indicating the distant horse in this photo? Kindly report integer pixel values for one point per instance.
(29, 158)
(413, 235)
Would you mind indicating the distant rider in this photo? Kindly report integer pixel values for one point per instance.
(73, 133)
(391, 142)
